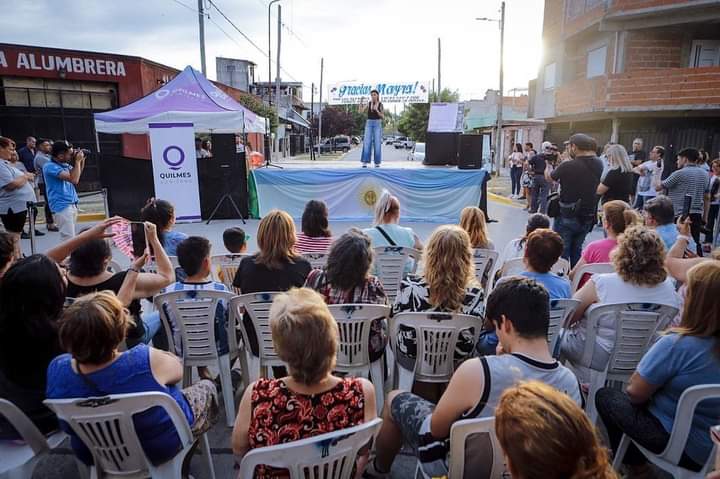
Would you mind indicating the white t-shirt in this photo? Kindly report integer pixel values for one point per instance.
(610, 288)
(646, 184)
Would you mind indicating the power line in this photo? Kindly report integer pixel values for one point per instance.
(186, 6)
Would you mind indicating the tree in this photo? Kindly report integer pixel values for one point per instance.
(336, 120)
(413, 121)
(255, 105)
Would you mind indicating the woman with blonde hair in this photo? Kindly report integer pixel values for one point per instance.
(310, 400)
(617, 216)
(277, 266)
(386, 231)
(447, 285)
(472, 220)
(686, 356)
(617, 182)
(558, 439)
(639, 277)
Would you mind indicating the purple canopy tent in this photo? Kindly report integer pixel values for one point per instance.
(187, 98)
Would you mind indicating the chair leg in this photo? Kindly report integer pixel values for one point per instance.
(620, 453)
(244, 367)
(205, 448)
(596, 382)
(227, 390)
(187, 376)
(376, 375)
(389, 359)
(405, 379)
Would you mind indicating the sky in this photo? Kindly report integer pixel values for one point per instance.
(370, 40)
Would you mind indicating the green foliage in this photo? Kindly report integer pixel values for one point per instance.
(256, 105)
(413, 121)
(337, 120)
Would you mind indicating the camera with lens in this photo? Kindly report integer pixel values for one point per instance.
(84, 151)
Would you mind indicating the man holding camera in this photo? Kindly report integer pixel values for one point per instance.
(60, 181)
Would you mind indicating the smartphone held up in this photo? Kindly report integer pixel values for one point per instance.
(130, 238)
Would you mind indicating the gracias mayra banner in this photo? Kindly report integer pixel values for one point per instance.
(351, 93)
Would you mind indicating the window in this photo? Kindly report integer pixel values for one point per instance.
(596, 62)
(549, 77)
(705, 53)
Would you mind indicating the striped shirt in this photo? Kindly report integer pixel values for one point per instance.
(691, 180)
(309, 244)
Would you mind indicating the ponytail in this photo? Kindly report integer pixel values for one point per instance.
(620, 216)
(385, 205)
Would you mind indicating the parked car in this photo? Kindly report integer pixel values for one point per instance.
(389, 140)
(418, 152)
(342, 143)
(403, 142)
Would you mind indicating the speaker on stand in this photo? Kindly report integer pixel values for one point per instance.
(223, 181)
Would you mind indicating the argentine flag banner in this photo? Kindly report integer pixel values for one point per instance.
(426, 195)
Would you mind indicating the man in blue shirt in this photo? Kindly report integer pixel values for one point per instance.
(659, 214)
(27, 153)
(60, 180)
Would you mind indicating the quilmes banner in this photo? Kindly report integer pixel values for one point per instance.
(175, 168)
(351, 93)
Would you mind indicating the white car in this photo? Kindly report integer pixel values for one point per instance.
(418, 152)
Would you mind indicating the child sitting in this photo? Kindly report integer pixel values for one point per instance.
(235, 240)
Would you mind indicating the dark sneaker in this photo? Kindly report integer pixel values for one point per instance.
(39, 233)
(53, 228)
(24, 235)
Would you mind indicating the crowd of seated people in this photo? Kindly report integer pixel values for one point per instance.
(53, 348)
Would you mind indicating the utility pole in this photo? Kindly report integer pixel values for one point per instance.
(499, 121)
(439, 88)
(269, 90)
(277, 76)
(312, 119)
(322, 60)
(201, 22)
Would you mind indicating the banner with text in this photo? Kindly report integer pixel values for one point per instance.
(351, 93)
(175, 168)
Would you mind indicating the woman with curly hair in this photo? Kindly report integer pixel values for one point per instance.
(558, 439)
(448, 285)
(639, 277)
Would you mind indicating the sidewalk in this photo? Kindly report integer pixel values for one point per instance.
(499, 190)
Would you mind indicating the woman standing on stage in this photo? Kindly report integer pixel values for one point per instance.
(373, 128)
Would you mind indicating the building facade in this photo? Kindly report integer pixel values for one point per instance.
(236, 73)
(293, 134)
(620, 69)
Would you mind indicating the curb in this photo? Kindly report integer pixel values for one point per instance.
(503, 200)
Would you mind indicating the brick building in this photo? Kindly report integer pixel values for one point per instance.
(619, 69)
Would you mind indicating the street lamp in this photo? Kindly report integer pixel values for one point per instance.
(499, 119)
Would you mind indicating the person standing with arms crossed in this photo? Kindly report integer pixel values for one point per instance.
(60, 181)
(373, 129)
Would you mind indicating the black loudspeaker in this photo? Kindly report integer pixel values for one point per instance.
(224, 173)
(470, 157)
(441, 148)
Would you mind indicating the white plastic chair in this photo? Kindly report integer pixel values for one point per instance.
(257, 306)
(436, 338)
(105, 425)
(19, 458)
(317, 260)
(593, 268)
(353, 355)
(391, 262)
(224, 268)
(194, 314)
(485, 261)
(326, 456)
(515, 266)
(474, 439)
(668, 459)
(560, 312)
(636, 327)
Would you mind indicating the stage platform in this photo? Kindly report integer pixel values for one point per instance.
(433, 194)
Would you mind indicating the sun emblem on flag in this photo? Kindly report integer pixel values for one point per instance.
(369, 194)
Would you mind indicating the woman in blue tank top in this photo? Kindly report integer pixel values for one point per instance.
(91, 330)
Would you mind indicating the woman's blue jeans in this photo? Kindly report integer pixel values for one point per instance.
(372, 140)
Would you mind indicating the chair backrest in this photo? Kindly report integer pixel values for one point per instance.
(561, 267)
(515, 266)
(474, 448)
(485, 260)
(327, 456)
(636, 325)
(28, 432)
(114, 266)
(353, 322)
(436, 337)
(689, 400)
(257, 307)
(560, 311)
(194, 314)
(105, 425)
(317, 260)
(391, 262)
(593, 268)
(224, 268)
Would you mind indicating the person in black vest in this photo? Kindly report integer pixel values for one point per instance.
(373, 129)
(579, 179)
(540, 185)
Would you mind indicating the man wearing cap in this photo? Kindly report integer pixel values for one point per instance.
(540, 185)
(60, 181)
(579, 179)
